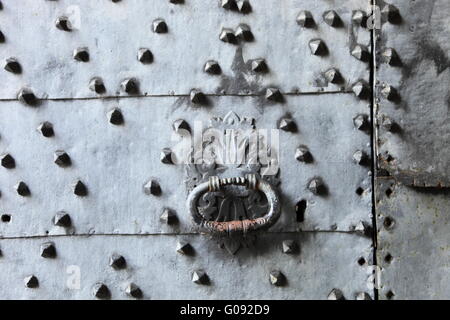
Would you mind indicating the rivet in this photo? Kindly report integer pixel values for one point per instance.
(359, 18)
(277, 278)
(12, 65)
(363, 296)
(8, 161)
(197, 97)
(360, 157)
(168, 217)
(2, 37)
(287, 124)
(363, 228)
(176, 1)
(273, 94)
(227, 35)
(316, 186)
(200, 277)
(132, 289)
(336, 294)
(81, 54)
(159, 26)
(303, 154)
(259, 65)
(130, 86)
(181, 125)
(145, 55)
(361, 90)
(96, 85)
(317, 47)
(184, 247)
(166, 156)
(101, 291)
(61, 158)
(289, 246)
(46, 129)
(79, 188)
(22, 189)
(392, 13)
(361, 53)
(244, 6)
(305, 19)
(152, 188)
(228, 4)
(117, 262)
(332, 18)
(361, 122)
(63, 23)
(390, 57)
(333, 75)
(244, 33)
(62, 219)
(48, 250)
(212, 67)
(27, 96)
(31, 282)
(390, 93)
(115, 116)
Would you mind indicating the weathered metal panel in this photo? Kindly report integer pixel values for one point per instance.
(414, 131)
(113, 32)
(116, 161)
(153, 264)
(413, 241)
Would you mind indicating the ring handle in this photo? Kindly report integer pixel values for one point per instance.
(251, 182)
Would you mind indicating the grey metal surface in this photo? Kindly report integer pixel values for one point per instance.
(113, 32)
(417, 151)
(413, 249)
(116, 161)
(153, 264)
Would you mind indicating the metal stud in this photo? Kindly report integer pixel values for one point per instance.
(22, 189)
(363, 296)
(115, 116)
(336, 294)
(392, 13)
(361, 122)
(244, 6)
(316, 186)
(145, 55)
(46, 129)
(101, 291)
(133, 290)
(390, 125)
(61, 158)
(287, 124)
(277, 278)
(117, 262)
(152, 188)
(12, 65)
(79, 188)
(273, 94)
(200, 277)
(305, 19)
(212, 67)
(333, 75)
(31, 282)
(197, 97)
(2, 37)
(176, 1)
(48, 250)
(332, 18)
(391, 57)
(317, 47)
(227, 35)
(27, 96)
(289, 246)
(181, 125)
(259, 65)
(62, 219)
(363, 228)
(159, 26)
(63, 23)
(244, 33)
(361, 53)
(303, 154)
(168, 217)
(96, 85)
(228, 4)
(184, 247)
(361, 90)
(360, 157)
(390, 93)
(166, 156)
(81, 54)
(130, 86)
(8, 161)
(359, 18)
